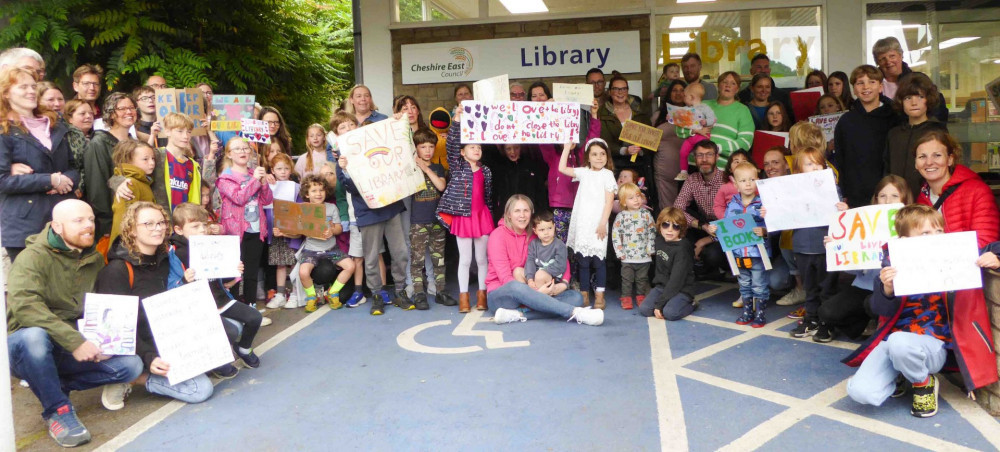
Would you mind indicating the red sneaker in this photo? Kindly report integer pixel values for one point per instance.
(626, 303)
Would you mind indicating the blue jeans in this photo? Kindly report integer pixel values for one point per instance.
(914, 355)
(754, 281)
(513, 294)
(677, 307)
(52, 372)
(195, 390)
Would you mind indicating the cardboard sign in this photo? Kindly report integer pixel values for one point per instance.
(300, 218)
(737, 232)
(285, 190)
(858, 236)
(797, 201)
(935, 263)
(214, 256)
(581, 93)
(255, 130)
(190, 102)
(493, 89)
(228, 110)
(109, 321)
(188, 330)
(804, 101)
(381, 160)
(520, 122)
(641, 135)
(691, 117)
(828, 123)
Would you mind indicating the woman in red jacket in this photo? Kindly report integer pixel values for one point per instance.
(963, 198)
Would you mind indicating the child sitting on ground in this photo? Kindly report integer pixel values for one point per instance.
(632, 235)
(672, 295)
(546, 256)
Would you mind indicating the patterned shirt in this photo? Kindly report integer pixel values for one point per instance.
(181, 175)
(633, 234)
(702, 192)
(925, 314)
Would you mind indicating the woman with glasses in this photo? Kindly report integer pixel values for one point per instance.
(35, 170)
(119, 115)
(620, 108)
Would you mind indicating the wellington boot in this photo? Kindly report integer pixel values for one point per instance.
(463, 302)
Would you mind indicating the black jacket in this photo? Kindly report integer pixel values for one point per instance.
(526, 176)
(860, 139)
(674, 269)
(777, 94)
(898, 158)
(941, 111)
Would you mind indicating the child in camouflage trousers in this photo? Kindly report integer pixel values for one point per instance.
(425, 231)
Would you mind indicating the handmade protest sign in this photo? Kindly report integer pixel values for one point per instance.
(228, 110)
(858, 236)
(690, 117)
(284, 190)
(580, 93)
(109, 321)
(935, 263)
(799, 200)
(214, 256)
(255, 130)
(828, 123)
(381, 160)
(188, 330)
(492, 89)
(737, 232)
(520, 122)
(300, 218)
(641, 135)
(804, 101)
(190, 102)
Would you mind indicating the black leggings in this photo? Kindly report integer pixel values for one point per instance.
(252, 253)
(249, 317)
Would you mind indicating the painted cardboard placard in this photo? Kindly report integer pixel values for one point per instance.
(828, 123)
(109, 321)
(381, 160)
(214, 256)
(737, 232)
(935, 263)
(797, 201)
(858, 235)
(690, 117)
(641, 135)
(581, 93)
(229, 109)
(493, 89)
(300, 218)
(189, 101)
(520, 122)
(804, 101)
(188, 330)
(255, 130)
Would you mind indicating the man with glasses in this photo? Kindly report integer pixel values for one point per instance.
(691, 69)
(595, 78)
(517, 92)
(87, 85)
(701, 188)
(145, 101)
(24, 58)
(46, 292)
(156, 82)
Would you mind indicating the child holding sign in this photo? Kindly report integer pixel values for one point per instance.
(632, 235)
(753, 280)
(136, 161)
(281, 252)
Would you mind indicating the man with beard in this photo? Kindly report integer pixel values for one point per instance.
(46, 292)
(701, 188)
(691, 70)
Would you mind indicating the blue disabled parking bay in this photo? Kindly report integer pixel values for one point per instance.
(439, 380)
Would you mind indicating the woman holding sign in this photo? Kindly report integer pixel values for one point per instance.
(140, 267)
(361, 105)
(613, 117)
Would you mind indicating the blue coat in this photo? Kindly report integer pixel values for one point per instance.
(736, 207)
(24, 205)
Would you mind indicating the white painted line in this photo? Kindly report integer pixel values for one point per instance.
(914, 437)
(670, 410)
(971, 412)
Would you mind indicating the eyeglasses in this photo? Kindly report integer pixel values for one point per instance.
(124, 108)
(703, 156)
(667, 224)
(597, 82)
(90, 84)
(518, 95)
(620, 89)
(151, 226)
(145, 99)
(273, 123)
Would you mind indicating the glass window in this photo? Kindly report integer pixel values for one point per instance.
(512, 7)
(726, 41)
(957, 44)
(436, 10)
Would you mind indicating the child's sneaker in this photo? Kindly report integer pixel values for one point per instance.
(113, 395)
(805, 328)
(66, 429)
(402, 300)
(224, 372)
(249, 358)
(824, 334)
(797, 314)
(626, 303)
(293, 302)
(758, 319)
(508, 316)
(357, 299)
(738, 303)
(277, 301)
(444, 299)
(378, 304)
(334, 300)
(639, 299)
(683, 175)
(420, 301)
(925, 398)
(311, 304)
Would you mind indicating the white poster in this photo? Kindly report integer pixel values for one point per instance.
(284, 190)
(214, 256)
(492, 89)
(799, 200)
(530, 57)
(935, 263)
(520, 122)
(109, 321)
(858, 235)
(381, 161)
(581, 93)
(188, 330)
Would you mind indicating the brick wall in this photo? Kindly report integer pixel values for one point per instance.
(433, 95)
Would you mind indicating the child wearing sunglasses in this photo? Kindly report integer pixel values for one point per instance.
(672, 295)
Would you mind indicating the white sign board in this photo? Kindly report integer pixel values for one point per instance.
(381, 161)
(492, 89)
(214, 256)
(797, 201)
(858, 235)
(520, 122)
(284, 190)
(188, 331)
(529, 57)
(581, 93)
(109, 321)
(935, 263)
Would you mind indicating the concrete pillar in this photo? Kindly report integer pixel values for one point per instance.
(845, 45)
(376, 51)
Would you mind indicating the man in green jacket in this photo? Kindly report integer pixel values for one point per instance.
(45, 298)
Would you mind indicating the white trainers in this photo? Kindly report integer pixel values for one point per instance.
(796, 296)
(113, 395)
(264, 321)
(277, 302)
(508, 316)
(587, 316)
(293, 302)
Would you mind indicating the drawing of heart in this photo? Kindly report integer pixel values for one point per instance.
(510, 117)
(267, 137)
(484, 125)
(486, 110)
(739, 222)
(478, 114)
(256, 136)
(468, 109)
(478, 106)
(472, 124)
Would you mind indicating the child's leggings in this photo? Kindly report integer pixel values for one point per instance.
(249, 317)
(465, 261)
(251, 253)
(686, 148)
(588, 263)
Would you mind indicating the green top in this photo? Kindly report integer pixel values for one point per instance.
(733, 130)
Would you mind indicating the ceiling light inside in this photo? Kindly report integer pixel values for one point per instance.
(688, 21)
(524, 6)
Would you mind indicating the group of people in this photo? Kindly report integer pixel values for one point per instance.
(108, 206)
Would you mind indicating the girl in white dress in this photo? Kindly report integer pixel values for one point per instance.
(588, 227)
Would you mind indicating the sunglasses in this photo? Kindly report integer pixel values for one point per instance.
(667, 224)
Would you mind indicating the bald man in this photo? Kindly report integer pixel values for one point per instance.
(46, 289)
(156, 82)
